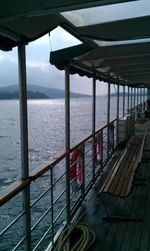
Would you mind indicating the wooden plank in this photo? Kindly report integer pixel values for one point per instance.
(130, 175)
(124, 170)
(140, 204)
(112, 174)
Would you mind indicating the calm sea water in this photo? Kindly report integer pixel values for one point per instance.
(46, 136)
(46, 130)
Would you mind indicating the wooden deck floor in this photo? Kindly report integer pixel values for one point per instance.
(124, 235)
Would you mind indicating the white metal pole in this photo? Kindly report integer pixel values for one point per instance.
(108, 119)
(67, 137)
(117, 112)
(123, 101)
(24, 143)
(128, 98)
(94, 122)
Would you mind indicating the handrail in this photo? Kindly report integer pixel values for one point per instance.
(13, 190)
(91, 135)
(43, 168)
(20, 185)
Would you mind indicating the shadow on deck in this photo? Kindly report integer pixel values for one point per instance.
(124, 235)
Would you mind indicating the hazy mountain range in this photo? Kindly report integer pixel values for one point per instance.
(35, 92)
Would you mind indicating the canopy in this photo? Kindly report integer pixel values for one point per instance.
(115, 35)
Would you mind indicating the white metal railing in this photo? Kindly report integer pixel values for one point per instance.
(48, 191)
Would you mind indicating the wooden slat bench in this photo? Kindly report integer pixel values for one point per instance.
(119, 178)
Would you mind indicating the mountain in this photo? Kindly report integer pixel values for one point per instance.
(35, 92)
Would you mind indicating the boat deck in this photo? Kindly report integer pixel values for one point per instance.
(129, 235)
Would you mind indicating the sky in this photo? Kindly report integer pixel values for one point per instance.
(39, 70)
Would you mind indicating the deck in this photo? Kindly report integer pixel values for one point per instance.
(124, 235)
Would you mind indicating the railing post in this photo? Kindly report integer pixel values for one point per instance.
(123, 101)
(83, 170)
(93, 124)
(102, 150)
(24, 143)
(131, 105)
(134, 99)
(140, 95)
(108, 119)
(117, 111)
(67, 138)
(134, 104)
(52, 201)
(128, 97)
(148, 93)
(137, 96)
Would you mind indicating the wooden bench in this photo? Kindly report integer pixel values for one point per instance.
(119, 178)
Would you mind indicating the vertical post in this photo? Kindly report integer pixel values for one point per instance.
(24, 142)
(67, 138)
(148, 93)
(93, 124)
(140, 95)
(137, 96)
(52, 205)
(131, 98)
(123, 101)
(117, 112)
(134, 104)
(144, 94)
(128, 97)
(83, 170)
(134, 99)
(108, 119)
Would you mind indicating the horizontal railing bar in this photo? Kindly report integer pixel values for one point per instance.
(12, 223)
(18, 186)
(35, 201)
(59, 178)
(88, 162)
(43, 168)
(13, 190)
(19, 243)
(86, 177)
(60, 213)
(88, 150)
(46, 233)
(41, 218)
(59, 196)
(91, 135)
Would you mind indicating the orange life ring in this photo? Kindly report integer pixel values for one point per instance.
(75, 169)
(97, 150)
(73, 163)
(79, 173)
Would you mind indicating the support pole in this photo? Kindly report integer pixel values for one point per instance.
(137, 96)
(128, 97)
(143, 94)
(134, 98)
(118, 101)
(140, 96)
(131, 105)
(24, 143)
(117, 112)
(94, 123)
(148, 93)
(108, 120)
(123, 101)
(67, 138)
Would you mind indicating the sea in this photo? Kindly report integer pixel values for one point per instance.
(46, 134)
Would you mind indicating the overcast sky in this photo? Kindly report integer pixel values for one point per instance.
(39, 70)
